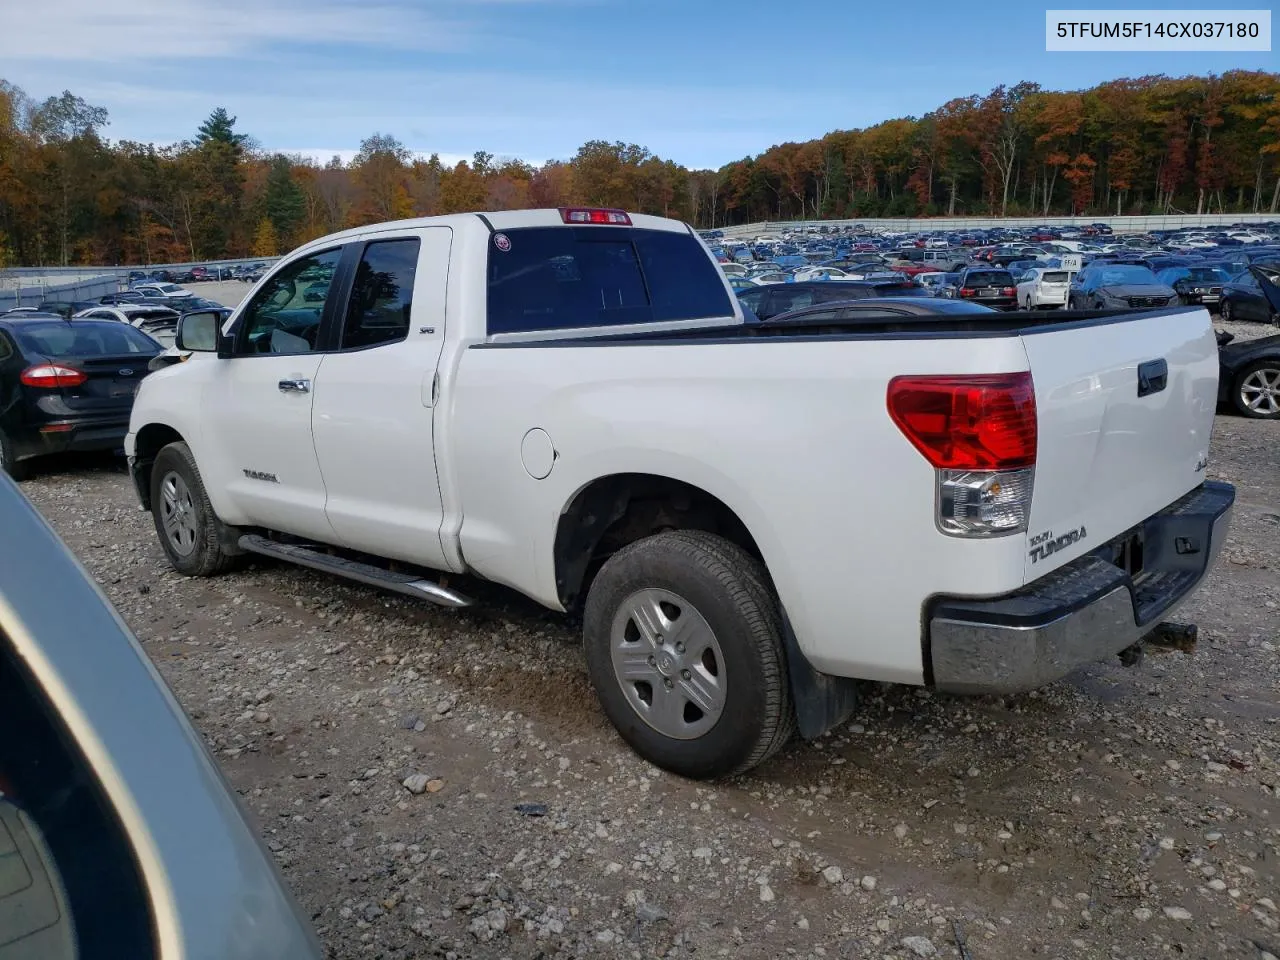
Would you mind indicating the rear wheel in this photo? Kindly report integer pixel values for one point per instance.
(1257, 390)
(8, 459)
(184, 518)
(683, 640)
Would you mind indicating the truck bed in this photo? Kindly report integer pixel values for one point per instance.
(872, 324)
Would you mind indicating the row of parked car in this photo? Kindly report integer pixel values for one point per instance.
(199, 274)
(803, 277)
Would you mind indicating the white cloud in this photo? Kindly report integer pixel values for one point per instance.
(124, 30)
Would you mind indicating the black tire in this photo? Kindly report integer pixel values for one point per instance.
(16, 469)
(1270, 373)
(730, 591)
(1224, 310)
(205, 557)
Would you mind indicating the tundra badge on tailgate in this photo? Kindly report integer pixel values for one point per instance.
(1046, 544)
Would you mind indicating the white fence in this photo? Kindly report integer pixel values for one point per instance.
(23, 291)
(949, 224)
(123, 270)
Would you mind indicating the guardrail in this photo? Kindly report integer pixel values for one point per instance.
(934, 224)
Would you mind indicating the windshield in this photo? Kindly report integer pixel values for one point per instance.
(1120, 275)
(83, 338)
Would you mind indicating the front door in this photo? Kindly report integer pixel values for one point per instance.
(375, 399)
(259, 403)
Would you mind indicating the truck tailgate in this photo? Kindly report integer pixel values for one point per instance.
(1109, 457)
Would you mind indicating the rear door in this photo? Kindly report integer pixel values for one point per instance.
(1117, 441)
(375, 400)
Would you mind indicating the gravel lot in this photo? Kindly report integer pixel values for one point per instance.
(1123, 812)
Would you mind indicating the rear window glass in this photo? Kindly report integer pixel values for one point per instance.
(84, 339)
(1054, 276)
(989, 278)
(558, 278)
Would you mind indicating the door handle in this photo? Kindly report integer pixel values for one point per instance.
(295, 386)
(1153, 376)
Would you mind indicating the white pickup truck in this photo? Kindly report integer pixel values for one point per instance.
(747, 515)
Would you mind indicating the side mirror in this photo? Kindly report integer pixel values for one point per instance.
(198, 332)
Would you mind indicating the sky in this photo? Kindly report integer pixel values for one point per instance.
(698, 82)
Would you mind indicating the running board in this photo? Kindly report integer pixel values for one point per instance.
(307, 556)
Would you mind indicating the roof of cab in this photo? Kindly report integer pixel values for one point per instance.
(496, 220)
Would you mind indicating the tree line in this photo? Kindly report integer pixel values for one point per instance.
(69, 194)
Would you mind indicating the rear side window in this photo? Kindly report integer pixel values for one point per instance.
(558, 278)
(87, 338)
(6, 348)
(382, 294)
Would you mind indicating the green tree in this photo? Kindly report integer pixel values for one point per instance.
(285, 201)
(220, 128)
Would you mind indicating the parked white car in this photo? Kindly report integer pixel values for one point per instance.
(571, 403)
(158, 322)
(1042, 287)
(167, 290)
(822, 273)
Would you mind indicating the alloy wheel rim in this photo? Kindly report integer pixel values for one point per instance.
(668, 663)
(1260, 390)
(178, 514)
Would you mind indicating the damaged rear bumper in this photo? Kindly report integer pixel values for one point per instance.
(1086, 611)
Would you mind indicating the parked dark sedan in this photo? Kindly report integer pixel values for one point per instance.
(1243, 299)
(773, 299)
(66, 385)
(1249, 375)
(991, 288)
(1195, 285)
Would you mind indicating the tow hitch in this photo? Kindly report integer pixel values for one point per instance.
(1165, 636)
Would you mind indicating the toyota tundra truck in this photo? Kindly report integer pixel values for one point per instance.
(748, 517)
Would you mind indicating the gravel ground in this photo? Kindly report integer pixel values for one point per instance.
(442, 784)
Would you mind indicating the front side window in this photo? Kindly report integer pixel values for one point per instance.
(284, 316)
(381, 294)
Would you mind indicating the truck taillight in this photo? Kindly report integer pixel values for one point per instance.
(595, 215)
(979, 433)
(52, 376)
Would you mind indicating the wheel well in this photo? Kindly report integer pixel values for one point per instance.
(611, 512)
(152, 438)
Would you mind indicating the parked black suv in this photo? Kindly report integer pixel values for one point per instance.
(991, 288)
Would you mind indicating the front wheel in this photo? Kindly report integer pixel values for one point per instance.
(184, 518)
(1257, 390)
(683, 640)
(1224, 311)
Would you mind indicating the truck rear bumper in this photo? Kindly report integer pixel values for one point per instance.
(1086, 611)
